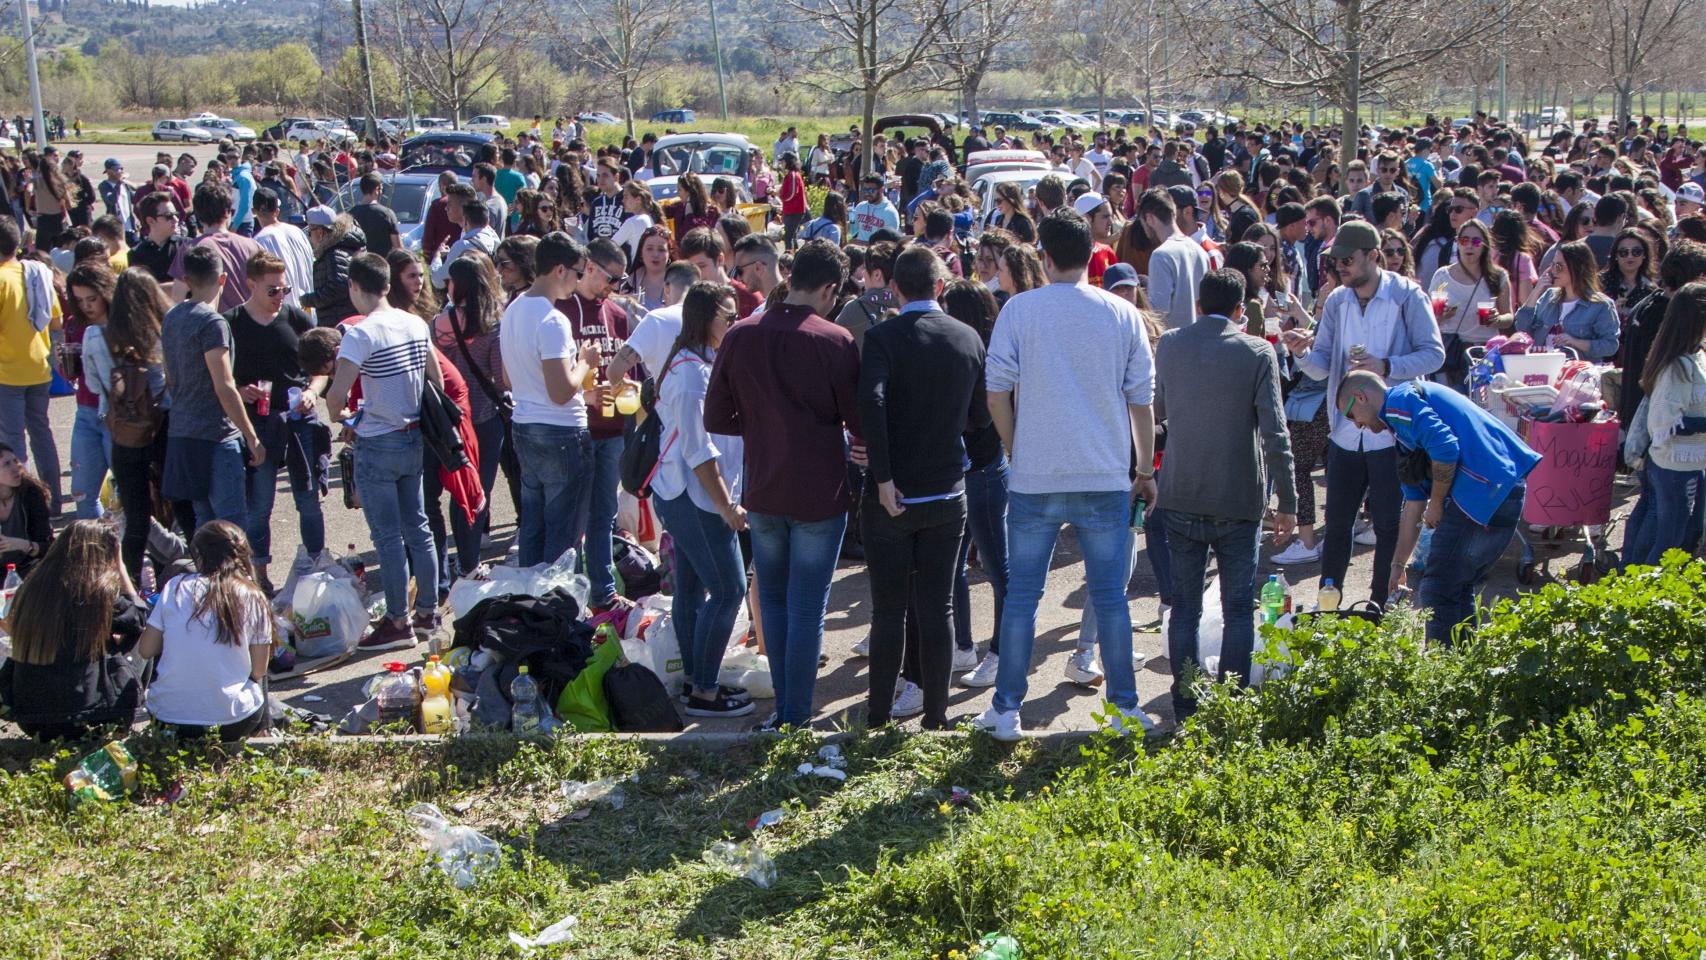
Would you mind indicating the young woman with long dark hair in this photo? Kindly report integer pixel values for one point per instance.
(1567, 309)
(1474, 278)
(89, 296)
(1632, 273)
(466, 332)
(1674, 380)
(1513, 249)
(647, 266)
(697, 209)
(791, 191)
(832, 226)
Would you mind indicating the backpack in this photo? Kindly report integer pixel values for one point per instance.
(133, 412)
(638, 701)
(645, 449)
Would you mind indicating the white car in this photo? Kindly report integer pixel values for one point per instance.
(229, 128)
(984, 186)
(183, 131)
(597, 116)
(433, 123)
(203, 119)
(316, 130)
(488, 123)
(710, 155)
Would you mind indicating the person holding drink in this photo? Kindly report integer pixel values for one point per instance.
(1566, 309)
(1470, 295)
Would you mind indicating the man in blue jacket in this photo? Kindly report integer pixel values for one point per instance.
(1470, 493)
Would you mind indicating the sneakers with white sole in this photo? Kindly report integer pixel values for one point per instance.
(908, 700)
(1364, 534)
(1003, 725)
(1125, 721)
(863, 647)
(984, 675)
(1296, 553)
(1082, 668)
(965, 658)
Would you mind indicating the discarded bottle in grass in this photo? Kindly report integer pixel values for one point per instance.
(743, 859)
(462, 853)
(524, 703)
(580, 793)
(998, 946)
(1273, 599)
(437, 715)
(768, 818)
(396, 695)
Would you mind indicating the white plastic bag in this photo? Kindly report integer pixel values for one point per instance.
(1211, 633)
(534, 581)
(651, 642)
(327, 562)
(463, 853)
(746, 668)
(327, 616)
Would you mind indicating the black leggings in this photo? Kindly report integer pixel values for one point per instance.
(236, 730)
(912, 562)
(132, 479)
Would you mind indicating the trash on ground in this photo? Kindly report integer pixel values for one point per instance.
(462, 853)
(810, 769)
(560, 932)
(959, 796)
(831, 756)
(106, 774)
(743, 859)
(998, 946)
(313, 698)
(608, 790)
(768, 818)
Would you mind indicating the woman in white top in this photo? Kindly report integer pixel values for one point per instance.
(1674, 479)
(1467, 282)
(212, 632)
(643, 212)
(696, 493)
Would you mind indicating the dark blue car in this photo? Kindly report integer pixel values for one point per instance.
(439, 150)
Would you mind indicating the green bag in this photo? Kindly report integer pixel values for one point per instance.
(582, 704)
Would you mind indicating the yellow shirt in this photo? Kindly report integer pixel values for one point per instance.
(23, 349)
(120, 261)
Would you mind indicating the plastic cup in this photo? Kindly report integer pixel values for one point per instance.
(263, 405)
(1485, 311)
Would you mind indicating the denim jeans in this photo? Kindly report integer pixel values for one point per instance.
(388, 477)
(1089, 631)
(1033, 525)
(1460, 557)
(911, 559)
(490, 436)
(601, 517)
(1235, 543)
(556, 465)
(263, 493)
(91, 455)
(710, 585)
(228, 487)
(23, 414)
(1674, 519)
(1160, 554)
(795, 563)
(986, 526)
(1352, 475)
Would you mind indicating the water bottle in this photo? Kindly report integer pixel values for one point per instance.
(1328, 597)
(396, 695)
(1273, 599)
(150, 584)
(1285, 589)
(13, 581)
(524, 704)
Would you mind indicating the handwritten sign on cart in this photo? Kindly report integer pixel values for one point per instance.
(1572, 483)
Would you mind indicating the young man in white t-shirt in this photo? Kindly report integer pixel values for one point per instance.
(650, 343)
(546, 374)
(392, 353)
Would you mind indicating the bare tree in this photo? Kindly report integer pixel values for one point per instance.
(976, 34)
(1341, 51)
(1631, 37)
(1092, 41)
(618, 39)
(865, 45)
(452, 49)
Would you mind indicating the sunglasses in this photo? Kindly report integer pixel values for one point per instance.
(1393, 251)
(616, 278)
(741, 268)
(1631, 252)
(1344, 261)
(1463, 208)
(278, 290)
(1469, 241)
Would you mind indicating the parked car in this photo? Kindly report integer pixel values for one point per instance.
(278, 130)
(984, 186)
(407, 194)
(992, 161)
(434, 123)
(229, 128)
(488, 123)
(442, 150)
(202, 119)
(317, 130)
(597, 116)
(675, 116)
(1011, 121)
(183, 131)
(710, 155)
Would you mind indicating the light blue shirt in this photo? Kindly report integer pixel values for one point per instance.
(243, 178)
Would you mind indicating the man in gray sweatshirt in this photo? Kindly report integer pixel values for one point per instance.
(1177, 263)
(1226, 437)
(1070, 380)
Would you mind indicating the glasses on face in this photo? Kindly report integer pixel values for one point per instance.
(278, 289)
(1467, 241)
(615, 278)
(741, 268)
(1461, 208)
(1397, 252)
(1344, 261)
(1627, 253)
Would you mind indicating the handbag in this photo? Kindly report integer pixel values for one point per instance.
(645, 449)
(500, 398)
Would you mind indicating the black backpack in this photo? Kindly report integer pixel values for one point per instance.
(639, 463)
(638, 701)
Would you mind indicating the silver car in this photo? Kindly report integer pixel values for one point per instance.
(409, 195)
(183, 131)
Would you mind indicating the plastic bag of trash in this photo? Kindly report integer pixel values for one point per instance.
(581, 794)
(560, 932)
(1210, 635)
(743, 859)
(746, 668)
(327, 616)
(534, 581)
(462, 853)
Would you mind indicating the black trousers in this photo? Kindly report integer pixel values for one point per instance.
(912, 558)
(133, 479)
(236, 730)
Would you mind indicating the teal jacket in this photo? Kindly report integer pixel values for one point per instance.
(1491, 459)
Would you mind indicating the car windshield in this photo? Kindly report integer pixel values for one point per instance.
(407, 200)
(437, 153)
(714, 159)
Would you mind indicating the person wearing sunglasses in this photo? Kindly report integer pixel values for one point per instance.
(1566, 309)
(264, 332)
(1459, 290)
(1469, 493)
(1380, 322)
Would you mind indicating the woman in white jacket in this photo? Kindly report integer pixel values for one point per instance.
(1675, 480)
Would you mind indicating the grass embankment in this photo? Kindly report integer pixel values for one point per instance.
(1536, 793)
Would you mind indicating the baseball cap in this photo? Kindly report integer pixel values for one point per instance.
(1691, 193)
(321, 216)
(1119, 275)
(1087, 203)
(1354, 235)
(1183, 196)
(112, 163)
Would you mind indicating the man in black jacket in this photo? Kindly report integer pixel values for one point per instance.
(918, 370)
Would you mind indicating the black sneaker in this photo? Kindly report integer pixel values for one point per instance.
(732, 693)
(770, 724)
(717, 706)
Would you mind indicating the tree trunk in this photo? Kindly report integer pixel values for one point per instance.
(1350, 130)
(868, 119)
(968, 95)
(1625, 103)
(628, 103)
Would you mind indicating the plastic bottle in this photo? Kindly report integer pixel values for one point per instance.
(396, 695)
(524, 703)
(1273, 599)
(437, 714)
(998, 946)
(357, 566)
(1328, 597)
(1285, 585)
(150, 583)
(13, 581)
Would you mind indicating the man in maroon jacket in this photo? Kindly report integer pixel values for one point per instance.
(786, 381)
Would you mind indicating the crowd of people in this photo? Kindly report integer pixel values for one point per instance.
(1167, 335)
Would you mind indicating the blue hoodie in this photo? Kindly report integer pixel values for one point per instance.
(1491, 460)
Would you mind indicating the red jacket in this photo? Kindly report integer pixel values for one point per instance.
(463, 484)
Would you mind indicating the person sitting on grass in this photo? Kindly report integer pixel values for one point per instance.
(211, 632)
(72, 624)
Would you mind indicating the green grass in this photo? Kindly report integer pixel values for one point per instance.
(1538, 792)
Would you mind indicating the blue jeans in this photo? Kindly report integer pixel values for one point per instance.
(263, 493)
(710, 585)
(23, 414)
(1033, 525)
(388, 477)
(1088, 630)
(490, 436)
(795, 563)
(1160, 554)
(986, 526)
(601, 517)
(1460, 556)
(1235, 543)
(465, 533)
(91, 454)
(227, 487)
(1674, 518)
(556, 464)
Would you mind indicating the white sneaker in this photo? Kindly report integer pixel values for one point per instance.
(1126, 721)
(1138, 661)
(984, 675)
(1082, 668)
(863, 647)
(1364, 534)
(1296, 553)
(964, 659)
(908, 700)
(1002, 725)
